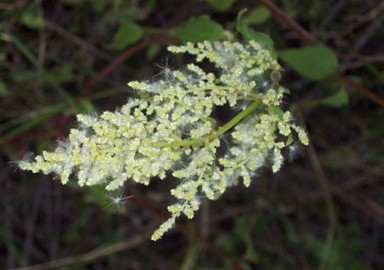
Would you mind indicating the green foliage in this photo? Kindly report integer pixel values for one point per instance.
(32, 18)
(242, 234)
(98, 5)
(198, 29)
(229, 243)
(254, 236)
(257, 15)
(313, 62)
(264, 40)
(221, 5)
(338, 99)
(3, 88)
(127, 34)
(338, 254)
(26, 75)
(62, 73)
(244, 229)
(73, 2)
(152, 51)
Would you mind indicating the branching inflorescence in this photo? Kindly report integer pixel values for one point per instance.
(170, 129)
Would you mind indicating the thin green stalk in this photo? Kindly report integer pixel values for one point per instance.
(33, 59)
(235, 120)
(47, 112)
(193, 142)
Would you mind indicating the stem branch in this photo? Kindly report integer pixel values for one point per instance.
(214, 135)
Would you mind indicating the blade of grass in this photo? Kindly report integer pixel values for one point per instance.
(30, 123)
(34, 61)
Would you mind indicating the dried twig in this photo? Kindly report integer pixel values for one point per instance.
(303, 34)
(90, 256)
(78, 41)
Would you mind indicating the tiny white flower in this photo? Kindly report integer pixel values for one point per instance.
(170, 126)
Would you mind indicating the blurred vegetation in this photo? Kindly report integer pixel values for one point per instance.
(324, 210)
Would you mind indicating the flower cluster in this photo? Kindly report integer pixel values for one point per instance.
(169, 128)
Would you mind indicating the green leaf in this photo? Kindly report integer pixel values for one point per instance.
(198, 29)
(62, 73)
(278, 111)
(245, 266)
(3, 88)
(251, 254)
(228, 242)
(26, 75)
(152, 51)
(33, 18)
(243, 227)
(127, 34)
(98, 5)
(263, 39)
(313, 62)
(289, 140)
(82, 106)
(257, 15)
(221, 5)
(337, 100)
(85, 105)
(73, 2)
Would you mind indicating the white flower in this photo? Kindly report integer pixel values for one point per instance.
(171, 124)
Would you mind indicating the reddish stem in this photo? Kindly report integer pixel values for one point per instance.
(120, 59)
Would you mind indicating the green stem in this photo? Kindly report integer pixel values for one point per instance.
(214, 135)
